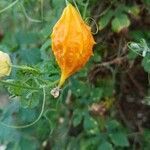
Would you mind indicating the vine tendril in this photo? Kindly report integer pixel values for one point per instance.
(34, 122)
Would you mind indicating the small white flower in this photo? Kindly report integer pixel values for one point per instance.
(5, 64)
(55, 92)
(3, 147)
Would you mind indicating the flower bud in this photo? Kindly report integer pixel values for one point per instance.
(5, 64)
(72, 42)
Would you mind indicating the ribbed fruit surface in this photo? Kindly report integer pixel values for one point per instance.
(72, 42)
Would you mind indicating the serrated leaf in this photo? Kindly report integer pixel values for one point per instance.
(96, 94)
(105, 146)
(90, 124)
(134, 10)
(119, 22)
(79, 88)
(112, 125)
(119, 139)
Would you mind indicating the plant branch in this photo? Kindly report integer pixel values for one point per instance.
(117, 60)
(17, 85)
(9, 6)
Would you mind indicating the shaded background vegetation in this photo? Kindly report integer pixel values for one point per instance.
(105, 106)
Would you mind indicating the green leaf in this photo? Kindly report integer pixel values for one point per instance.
(9, 134)
(15, 90)
(30, 56)
(106, 85)
(145, 139)
(97, 57)
(27, 141)
(90, 124)
(80, 88)
(134, 10)
(105, 19)
(43, 133)
(119, 22)
(147, 2)
(30, 99)
(105, 146)
(27, 115)
(77, 117)
(112, 125)
(132, 55)
(96, 94)
(43, 49)
(27, 38)
(140, 48)
(146, 63)
(119, 139)
(89, 143)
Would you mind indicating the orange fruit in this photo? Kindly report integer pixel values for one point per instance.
(72, 42)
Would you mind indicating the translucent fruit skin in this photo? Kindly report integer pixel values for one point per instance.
(5, 64)
(72, 42)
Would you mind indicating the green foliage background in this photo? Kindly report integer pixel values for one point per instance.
(71, 121)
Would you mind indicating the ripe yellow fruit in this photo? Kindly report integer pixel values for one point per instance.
(5, 64)
(72, 42)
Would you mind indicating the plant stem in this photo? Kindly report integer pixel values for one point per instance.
(85, 9)
(28, 87)
(66, 2)
(18, 85)
(77, 7)
(9, 6)
(52, 84)
(24, 68)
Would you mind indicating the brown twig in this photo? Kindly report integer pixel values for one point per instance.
(103, 68)
(117, 60)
